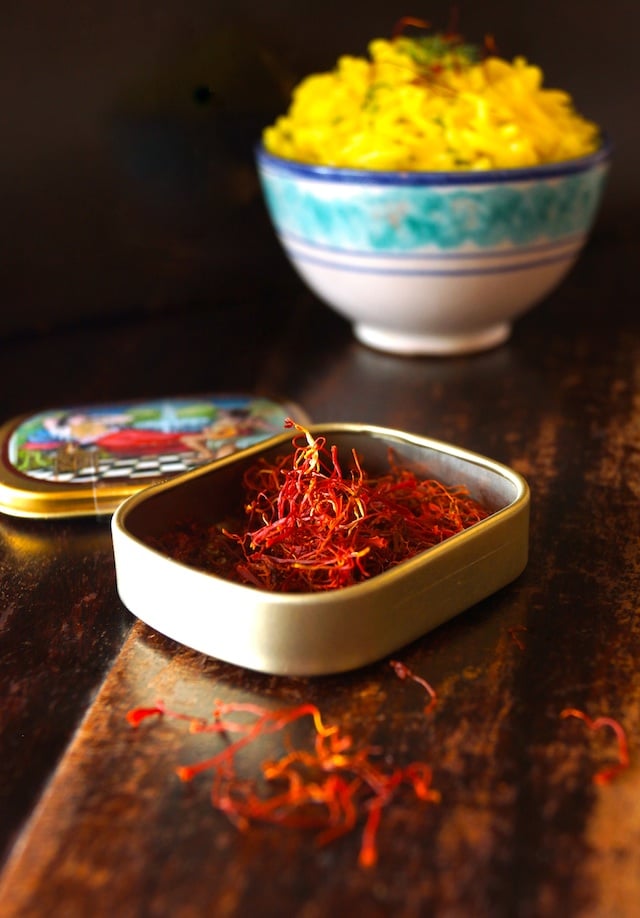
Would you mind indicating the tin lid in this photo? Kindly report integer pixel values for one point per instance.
(85, 460)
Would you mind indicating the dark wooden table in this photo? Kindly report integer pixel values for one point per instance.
(94, 820)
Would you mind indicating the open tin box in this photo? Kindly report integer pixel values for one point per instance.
(306, 634)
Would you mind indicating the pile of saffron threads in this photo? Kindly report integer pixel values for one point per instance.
(330, 785)
(311, 527)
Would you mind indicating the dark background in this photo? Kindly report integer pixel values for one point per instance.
(126, 156)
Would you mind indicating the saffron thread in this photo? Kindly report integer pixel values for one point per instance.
(605, 775)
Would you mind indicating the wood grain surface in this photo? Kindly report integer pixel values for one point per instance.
(94, 818)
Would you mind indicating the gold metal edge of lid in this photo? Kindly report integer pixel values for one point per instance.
(40, 504)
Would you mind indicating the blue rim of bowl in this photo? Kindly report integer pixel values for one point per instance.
(459, 177)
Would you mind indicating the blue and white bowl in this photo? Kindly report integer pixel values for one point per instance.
(433, 262)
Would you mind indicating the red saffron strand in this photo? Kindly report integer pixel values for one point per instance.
(368, 856)
(420, 775)
(403, 672)
(605, 775)
(407, 21)
(267, 722)
(513, 633)
(137, 715)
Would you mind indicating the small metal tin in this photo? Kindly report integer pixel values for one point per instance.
(319, 633)
(85, 460)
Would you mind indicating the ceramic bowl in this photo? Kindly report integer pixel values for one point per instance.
(433, 262)
(305, 634)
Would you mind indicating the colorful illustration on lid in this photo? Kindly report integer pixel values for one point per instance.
(140, 440)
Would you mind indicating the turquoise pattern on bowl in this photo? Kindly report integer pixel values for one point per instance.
(405, 214)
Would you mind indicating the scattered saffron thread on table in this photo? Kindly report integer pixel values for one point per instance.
(605, 775)
(328, 787)
(514, 631)
(403, 672)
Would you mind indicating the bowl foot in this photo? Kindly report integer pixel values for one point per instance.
(400, 343)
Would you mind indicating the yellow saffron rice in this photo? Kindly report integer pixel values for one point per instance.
(429, 104)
